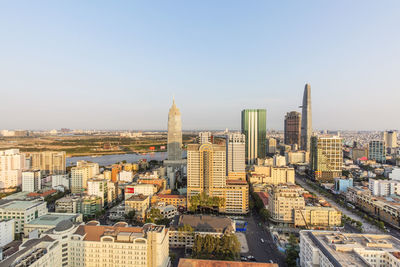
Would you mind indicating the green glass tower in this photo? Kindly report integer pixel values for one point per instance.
(254, 127)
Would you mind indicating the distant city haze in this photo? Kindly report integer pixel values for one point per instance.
(116, 65)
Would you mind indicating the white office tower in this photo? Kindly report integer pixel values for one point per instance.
(61, 180)
(205, 138)
(12, 162)
(31, 181)
(235, 152)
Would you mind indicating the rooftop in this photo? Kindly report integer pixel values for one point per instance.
(210, 263)
(139, 197)
(53, 219)
(204, 223)
(19, 205)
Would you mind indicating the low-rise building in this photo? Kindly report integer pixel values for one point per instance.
(60, 180)
(174, 200)
(95, 245)
(22, 212)
(184, 228)
(342, 184)
(49, 221)
(167, 211)
(326, 249)
(137, 189)
(139, 204)
(271, 175)
(384, 187)
(87, 205)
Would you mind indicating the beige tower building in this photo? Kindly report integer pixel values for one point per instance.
(174, 146)
(206, 173)
(81, 174)
(326, 157)
(49, 162)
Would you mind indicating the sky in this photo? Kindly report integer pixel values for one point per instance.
(117, 64)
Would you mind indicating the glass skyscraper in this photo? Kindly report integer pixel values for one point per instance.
(254, 127)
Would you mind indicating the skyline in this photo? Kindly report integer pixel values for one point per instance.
(103, 66)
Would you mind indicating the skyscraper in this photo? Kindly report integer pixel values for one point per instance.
(235, 153)
(254, 127)
(306, 119)
(292, 128)
(377, 151)
(174, 133)
(326, 157)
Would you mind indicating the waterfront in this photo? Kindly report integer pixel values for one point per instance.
(111, 159)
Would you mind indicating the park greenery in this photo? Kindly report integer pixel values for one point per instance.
(213, 247)
(155, 216)
(292, 251)
(259, 206)
(204, 201)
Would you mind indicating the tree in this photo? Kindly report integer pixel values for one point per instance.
(130, 216)
(292, 252)
(265, 214)
(226, 247)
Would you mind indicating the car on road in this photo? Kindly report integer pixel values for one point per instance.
(251, 258)
(262, 240)
(243, 258)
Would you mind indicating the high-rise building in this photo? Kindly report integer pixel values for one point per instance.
(254, 127)
(377, 151)
(326, 157)
(174, 145)
(81, 173)
(49, 162)
(390, 139)
(306, 120)
(98, 187)
(12, 162)
(292, 128)
(206, 173)
(205, 137)
(235, 153)
(31, 181)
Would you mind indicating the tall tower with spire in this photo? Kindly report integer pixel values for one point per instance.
(174, 133)
(306, 120)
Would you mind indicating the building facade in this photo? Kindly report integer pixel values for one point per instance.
(292, 128)
(326, 157)
(306, 120)
(254, 127)
(377, 151)
(31, 181)
(235, 153)
(12, 162)
(49, 162)
(174, 145)
(7, 231)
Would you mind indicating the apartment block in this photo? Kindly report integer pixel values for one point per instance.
(327, 249)
(7, 231)
(49, 162)
(12, 162)
(31, 181)
(384, 187)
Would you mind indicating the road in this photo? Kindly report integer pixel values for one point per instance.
(263, 252)
(368, 227)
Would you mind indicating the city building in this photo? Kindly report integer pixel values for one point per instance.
(358, 153)
(87, 205)
(271, 145)
(377, 151)
(60, 180)
(288, 206)
(297, 157)
(174, 200)
(235, 153)
(254, 127)
(93, 245)
(22, 212)
(7, 231)
(98, 187)
(140, 189)
(205, 138)
(342, 184)
(326, 157)
(12, 162)
(50, 221)
(328, 248)
(271, 175)
(390, 139)
(292, 128)
(184, 228)
(174, 145)
(49, 162)
(167, 211)
(80, 174)
(139, 204)
(206, 173)
(31, 181)
(125, 176)
(306, 120)
(384, 187)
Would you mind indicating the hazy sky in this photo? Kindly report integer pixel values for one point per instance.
(117, 64)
